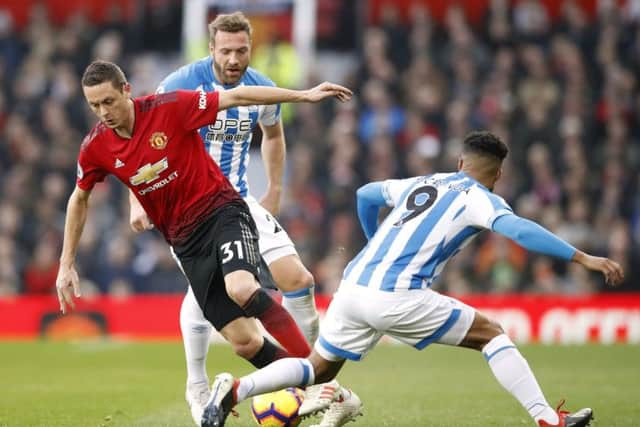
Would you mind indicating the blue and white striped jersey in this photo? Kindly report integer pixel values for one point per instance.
(228, 139)
(432, 219)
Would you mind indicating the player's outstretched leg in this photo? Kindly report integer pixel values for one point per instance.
(347, 407)
(513, 372)
(222, 400)
(226, 391)
(579, 418)
(196, 331)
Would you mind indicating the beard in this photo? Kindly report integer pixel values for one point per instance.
(229, 80)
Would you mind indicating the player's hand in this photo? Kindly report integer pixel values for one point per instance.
(271, 202)
(325, 90)
(612, 271)
(68, 286)
(138, 218)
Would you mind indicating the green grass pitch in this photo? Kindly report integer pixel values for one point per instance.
(118, 384)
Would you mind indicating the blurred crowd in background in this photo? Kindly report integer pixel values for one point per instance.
(563, 93)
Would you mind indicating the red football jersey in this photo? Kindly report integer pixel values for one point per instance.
(164, 162)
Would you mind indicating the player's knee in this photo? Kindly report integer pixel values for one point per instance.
(190, 311)
(304, 279)
(490, 329)
(494, 329)
(241, 292)
(247, 347)
(301, 279)
(481, 332)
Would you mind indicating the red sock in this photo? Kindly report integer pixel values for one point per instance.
(278, 322)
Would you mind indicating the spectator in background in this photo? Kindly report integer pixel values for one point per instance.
(381, 114)
(279, 60)
(116, 267)
(9, 266)
(501, 263)
(41, 271)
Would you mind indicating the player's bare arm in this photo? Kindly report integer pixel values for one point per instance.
(138, 218)
(273, 150)
(265, 95)
(67, 282)
(612, 271)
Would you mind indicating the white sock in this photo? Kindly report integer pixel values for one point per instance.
(283, 373)
(513, 373)
(196, 331)
(301, 304)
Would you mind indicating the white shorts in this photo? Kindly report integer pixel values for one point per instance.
(358, 317)
(274, 242)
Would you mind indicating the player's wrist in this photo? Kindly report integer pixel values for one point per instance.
(66, 262)
(579, 257)
(304, 95)
(274, 190)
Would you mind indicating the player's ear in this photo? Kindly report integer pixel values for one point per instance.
(211, 47)
(460, 163)
(499, 173)
(126, 87)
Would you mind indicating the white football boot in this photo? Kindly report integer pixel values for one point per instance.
(346, 408)
(317, 398)
(197, 395)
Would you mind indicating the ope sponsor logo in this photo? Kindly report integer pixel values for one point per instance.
(227, 124)
(229, 130)
(202, 101)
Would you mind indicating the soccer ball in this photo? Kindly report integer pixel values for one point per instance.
(278, 409)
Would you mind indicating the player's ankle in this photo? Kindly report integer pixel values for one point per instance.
(548, 420)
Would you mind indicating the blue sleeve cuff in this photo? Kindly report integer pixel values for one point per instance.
(532, 236)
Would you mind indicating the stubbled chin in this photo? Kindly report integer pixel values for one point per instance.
(232, 78)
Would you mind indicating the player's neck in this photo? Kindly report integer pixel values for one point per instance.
(126, 130)
(483, 179)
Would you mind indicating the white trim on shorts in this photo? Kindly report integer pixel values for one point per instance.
(273, 246)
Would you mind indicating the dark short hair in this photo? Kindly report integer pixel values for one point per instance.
(230, 23)
(484, 143)
(99, 72)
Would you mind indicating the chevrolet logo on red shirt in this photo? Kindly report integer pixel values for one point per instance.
(149, 172)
